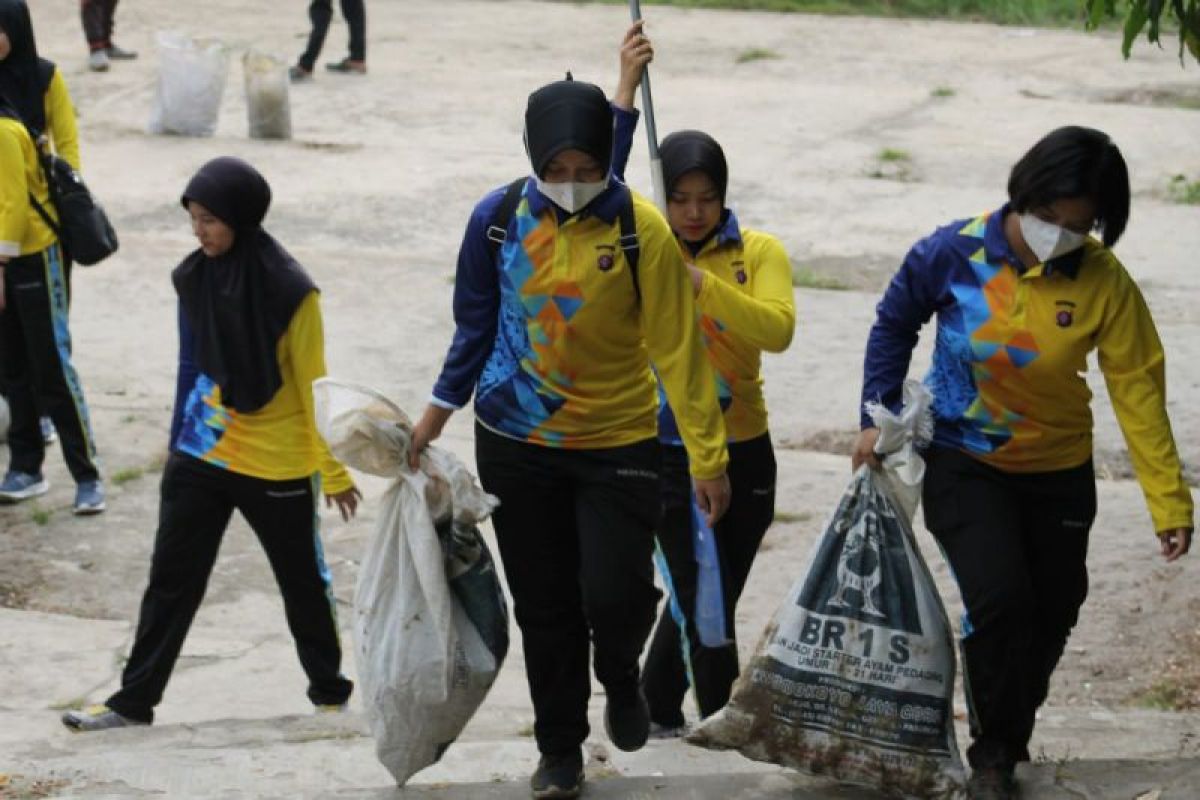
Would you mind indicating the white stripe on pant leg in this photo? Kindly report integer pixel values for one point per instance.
(57, 288)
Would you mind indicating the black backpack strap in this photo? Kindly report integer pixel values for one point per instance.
(629, 241)
(497, 229)
(50, 223)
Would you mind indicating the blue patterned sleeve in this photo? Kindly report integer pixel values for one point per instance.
(908, 303)
(186, 377)
(476, 305)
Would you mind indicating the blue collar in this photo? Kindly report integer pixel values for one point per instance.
(997, 248)
(607, 206)
(730, 232)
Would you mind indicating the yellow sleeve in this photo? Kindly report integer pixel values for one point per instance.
(306, 339)
(766, 316)
(1134, 366)
(14, 190)
(673, 341)
(60, 121)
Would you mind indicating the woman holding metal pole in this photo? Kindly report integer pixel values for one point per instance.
(742, 282)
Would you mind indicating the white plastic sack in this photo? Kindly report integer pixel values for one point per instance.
(5, 420)
(191, 81)
(267, 105)
(854, 676)
(430, 620)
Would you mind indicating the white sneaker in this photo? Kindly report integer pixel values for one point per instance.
(98, 61)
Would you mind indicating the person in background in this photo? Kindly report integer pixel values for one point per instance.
(97, 16)
(742, 281)
(38, 377)
(555, 334)
(243, 438)
(1022, 295)
(321, 13)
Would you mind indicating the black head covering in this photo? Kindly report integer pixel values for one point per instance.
(240, 303)
(684, 151)
(567, 115)
(24, 78)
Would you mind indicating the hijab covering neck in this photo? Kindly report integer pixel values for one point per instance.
(24, 77)
(688, 151)
(568, 115)
(239, 304)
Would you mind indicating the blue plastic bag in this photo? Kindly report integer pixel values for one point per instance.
(710, 595)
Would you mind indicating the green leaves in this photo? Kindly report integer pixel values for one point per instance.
(1148, 15)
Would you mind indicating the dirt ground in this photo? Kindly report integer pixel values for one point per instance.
(373, 192)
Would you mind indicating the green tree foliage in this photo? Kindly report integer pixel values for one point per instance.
(1148, 15)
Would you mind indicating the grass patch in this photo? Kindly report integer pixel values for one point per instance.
(41, 515)
(1181, 190)
(942, 91)
(804, 278)
(891, 155)
(1005, 12)
(756, 54)
(526, 730)
(792, 516)
(124, 476)
(1166, 695)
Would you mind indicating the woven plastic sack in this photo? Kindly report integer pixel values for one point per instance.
(268, 108)
(854, 676)
(191, 81)
(430, 619)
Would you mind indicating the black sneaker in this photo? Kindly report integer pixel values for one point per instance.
(992, 783)
(627, 720)
(558, 776)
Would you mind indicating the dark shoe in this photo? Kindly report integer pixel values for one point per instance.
(627, 720)
(992, 783)
(121, 54)
(558, 776)
(299, 74)
(347, 66)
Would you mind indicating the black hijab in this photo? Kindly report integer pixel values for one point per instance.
(24, 77)
(567, 115)
(686, 151)
(240, 303)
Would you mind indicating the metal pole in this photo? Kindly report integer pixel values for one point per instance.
(656, 173)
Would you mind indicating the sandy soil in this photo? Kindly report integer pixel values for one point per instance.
(372, 194)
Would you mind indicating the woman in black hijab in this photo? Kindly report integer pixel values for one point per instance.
(743, 284)
(243, 437)
(38, 377)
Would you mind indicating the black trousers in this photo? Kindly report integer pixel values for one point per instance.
(321, 13)
(36, 368)
(576, 535)
(738, 535)
(197, 502)
(1017, 543)
(97, 16)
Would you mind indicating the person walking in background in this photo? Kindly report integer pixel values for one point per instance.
(243, 438)
(742, 281)
(1022, 295)
(97, 16)
(321, 13)
(555, 331)
(35, 341)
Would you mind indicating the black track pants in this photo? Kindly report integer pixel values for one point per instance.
(321, 13)
(1017, 543)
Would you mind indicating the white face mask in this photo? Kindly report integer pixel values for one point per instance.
(1048, 240)
(571, 196)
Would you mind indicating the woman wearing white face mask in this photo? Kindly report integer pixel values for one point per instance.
(1022, 295)
(555, 331)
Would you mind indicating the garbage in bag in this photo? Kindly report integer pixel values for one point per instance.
(430, 619)
(854, 676)
(191, 81)
(268, 107)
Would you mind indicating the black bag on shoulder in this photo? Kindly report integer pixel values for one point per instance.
(83, 228)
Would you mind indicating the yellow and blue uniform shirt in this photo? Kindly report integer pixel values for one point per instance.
(747, 306)
(22, 230)
(278, 441)
(1011, 350)
(555, 343)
